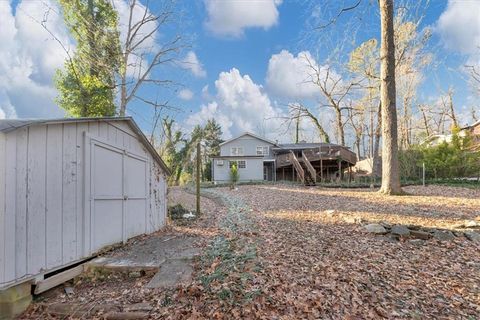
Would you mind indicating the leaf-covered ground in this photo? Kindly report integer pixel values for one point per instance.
(285, 252)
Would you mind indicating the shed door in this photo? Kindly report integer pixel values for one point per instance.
(118, 195)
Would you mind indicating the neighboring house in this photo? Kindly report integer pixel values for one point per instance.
(473, 130)
(71, 187)
(259, 159)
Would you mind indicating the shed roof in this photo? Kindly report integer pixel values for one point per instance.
(8, 125)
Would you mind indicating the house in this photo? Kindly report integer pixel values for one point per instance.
(71, 187)
(260, 159)
(474, 131)
(253, 156)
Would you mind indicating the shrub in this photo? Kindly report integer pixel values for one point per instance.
(234, 176)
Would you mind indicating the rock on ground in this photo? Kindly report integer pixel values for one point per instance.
(375, 228)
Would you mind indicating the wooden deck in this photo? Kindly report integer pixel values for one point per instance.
(312, 164)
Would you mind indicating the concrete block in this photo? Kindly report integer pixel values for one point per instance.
(15, 300)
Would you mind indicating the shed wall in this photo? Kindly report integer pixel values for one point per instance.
(42, 203)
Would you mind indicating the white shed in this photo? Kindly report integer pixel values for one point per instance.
(70, 187)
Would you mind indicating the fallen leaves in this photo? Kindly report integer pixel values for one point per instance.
(286, 252)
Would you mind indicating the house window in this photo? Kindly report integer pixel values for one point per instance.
(261, 151)
(236, 151)
(241, 164)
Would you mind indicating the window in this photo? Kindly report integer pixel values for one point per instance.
(236, 151)
(261, 151)
(241, 164)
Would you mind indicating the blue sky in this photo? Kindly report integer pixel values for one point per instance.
(242, 58)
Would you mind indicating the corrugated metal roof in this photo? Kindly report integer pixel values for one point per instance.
(8, 125)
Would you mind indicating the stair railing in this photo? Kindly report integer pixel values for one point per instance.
(298, 167)
(311, 169)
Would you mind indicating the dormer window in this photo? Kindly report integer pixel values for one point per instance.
(236, 151)
(262, 151)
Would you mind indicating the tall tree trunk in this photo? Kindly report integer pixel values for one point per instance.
(425, 122)
(390, 166)
(452, 109)
(320, 129)
(357, 145)
(341, 133)
(376, 146)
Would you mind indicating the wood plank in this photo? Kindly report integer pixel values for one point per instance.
(3, 164)
(69, 177)
(20, 231)
(93, 128)
(103, 131)
(87, 247)
(112, 133)
(58, 279)
(36, 182)
(54, 195)
(81, 128)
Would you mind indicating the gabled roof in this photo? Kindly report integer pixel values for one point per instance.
(249, 134)
(8, 125)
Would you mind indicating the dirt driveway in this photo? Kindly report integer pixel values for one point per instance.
(286, 252)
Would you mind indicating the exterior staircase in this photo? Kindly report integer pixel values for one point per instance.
(304, 169)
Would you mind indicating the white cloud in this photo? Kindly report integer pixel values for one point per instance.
(206, 94)
(240, 105)
(232, 17)
(290, 76)
(192, 63)
(29, 57)
(185, 94)
(459, 26)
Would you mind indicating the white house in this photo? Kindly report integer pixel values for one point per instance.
(252, 154)
(70, 187)
(260, 159)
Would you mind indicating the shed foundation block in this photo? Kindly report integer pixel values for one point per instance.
(15, 300)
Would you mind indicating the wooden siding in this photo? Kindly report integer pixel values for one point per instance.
(42, 203)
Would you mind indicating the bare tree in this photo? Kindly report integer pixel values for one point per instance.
(142, 53)
(356, 117)
(390, 164)
(298, 111)
(334, 90)
(448, 107)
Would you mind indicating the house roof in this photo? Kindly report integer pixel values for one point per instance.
(249, 134)
(8, 125)
(471, 126)
(300, 146)
(237, 157)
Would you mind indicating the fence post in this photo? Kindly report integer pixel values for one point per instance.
(423, 173)
(199, 168)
